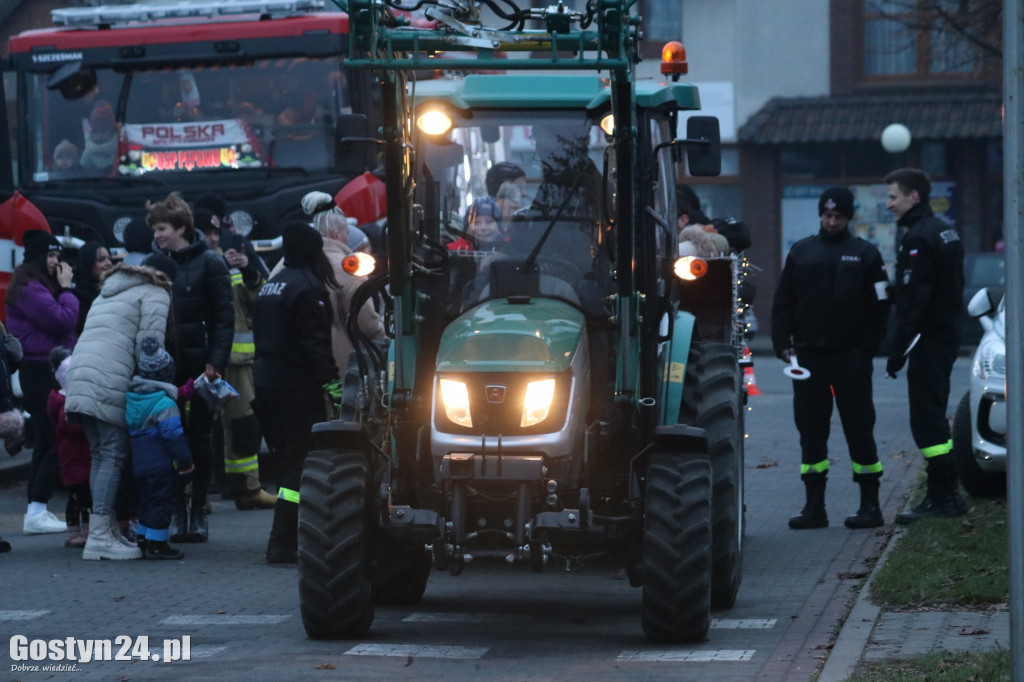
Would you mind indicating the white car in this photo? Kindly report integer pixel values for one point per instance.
(979, 427)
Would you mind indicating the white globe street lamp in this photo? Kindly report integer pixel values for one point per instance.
(896, 138)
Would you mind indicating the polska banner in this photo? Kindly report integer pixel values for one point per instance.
(221, 133)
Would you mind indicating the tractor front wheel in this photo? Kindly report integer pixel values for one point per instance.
(334, 591)
(677, 548)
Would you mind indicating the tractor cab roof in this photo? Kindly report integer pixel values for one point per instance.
(590, 92)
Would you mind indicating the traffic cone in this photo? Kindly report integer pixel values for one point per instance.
(749, 380)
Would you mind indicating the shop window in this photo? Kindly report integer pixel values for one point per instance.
(915, 39)
(811, 161)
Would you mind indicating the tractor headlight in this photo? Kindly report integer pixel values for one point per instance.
(434, 122)
(455, 399)
(537, 402)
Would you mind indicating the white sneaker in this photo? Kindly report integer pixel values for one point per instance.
(43, 522)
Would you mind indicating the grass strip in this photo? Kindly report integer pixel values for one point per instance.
(943, 666)
(942, 563)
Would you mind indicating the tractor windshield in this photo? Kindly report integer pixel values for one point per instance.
(204, 119)
(523, 206)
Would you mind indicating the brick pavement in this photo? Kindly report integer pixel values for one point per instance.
(809, 616)
(869, 633)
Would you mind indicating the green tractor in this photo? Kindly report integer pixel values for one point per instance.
(569, 388)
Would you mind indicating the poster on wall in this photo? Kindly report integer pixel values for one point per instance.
(871, 221)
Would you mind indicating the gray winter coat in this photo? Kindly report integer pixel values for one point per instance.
(132, 304)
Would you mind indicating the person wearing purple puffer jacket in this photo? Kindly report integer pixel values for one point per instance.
(41, 313)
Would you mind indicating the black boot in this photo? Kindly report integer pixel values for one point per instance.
(813, 514)
(870, 513)
(160, 550)
(283, 546)
(942, 498)
(198, 525)
(179, 522)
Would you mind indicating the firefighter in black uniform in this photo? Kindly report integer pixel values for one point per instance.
(830, 309)
(294, 373)
(929, 305)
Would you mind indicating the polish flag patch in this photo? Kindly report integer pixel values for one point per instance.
(913, 252)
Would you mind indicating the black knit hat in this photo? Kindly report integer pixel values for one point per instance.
(213, 203)
(838, 199)
(38, 243)
(162, 263)
(138, 236)
(203, 218)
(300, 244)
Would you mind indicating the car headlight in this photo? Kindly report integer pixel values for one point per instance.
(990, 359)
(455, 399)
(119, 227)
(537, 402)
(242, 221)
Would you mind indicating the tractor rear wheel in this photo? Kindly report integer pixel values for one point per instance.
(713, 401)
(334, 591)
(677, 548)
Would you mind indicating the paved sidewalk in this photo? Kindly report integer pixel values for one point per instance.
(870, 633)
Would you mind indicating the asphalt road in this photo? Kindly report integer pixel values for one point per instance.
(493, 622)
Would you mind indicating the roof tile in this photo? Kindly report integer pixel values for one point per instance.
(853, 118)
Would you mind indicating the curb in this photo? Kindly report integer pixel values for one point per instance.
(853, 638)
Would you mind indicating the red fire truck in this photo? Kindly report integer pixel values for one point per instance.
(120, 105)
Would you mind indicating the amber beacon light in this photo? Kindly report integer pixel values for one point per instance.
(690, 268)
(673, 59)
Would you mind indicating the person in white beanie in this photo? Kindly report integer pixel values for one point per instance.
(332, 224)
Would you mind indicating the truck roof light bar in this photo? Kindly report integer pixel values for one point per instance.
(108, 15)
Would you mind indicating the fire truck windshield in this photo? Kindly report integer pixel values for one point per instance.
(268, 113)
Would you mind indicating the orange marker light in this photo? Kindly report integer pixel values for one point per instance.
(359, 264)
(673, 58)
(690, 268)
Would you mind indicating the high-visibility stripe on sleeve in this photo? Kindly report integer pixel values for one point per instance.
(288, 495)
(243, 342)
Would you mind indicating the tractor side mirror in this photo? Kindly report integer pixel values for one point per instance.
(353, 144)
(704, 146)
(72, 81)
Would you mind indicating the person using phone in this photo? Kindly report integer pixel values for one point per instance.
(41, 313)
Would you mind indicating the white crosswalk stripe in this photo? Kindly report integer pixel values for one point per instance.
(684, 656)
(417, 651)
(743, 623)
(222, 619)
(466, 618)
(21, 615)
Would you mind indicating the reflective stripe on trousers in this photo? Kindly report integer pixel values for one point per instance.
(242, 465)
